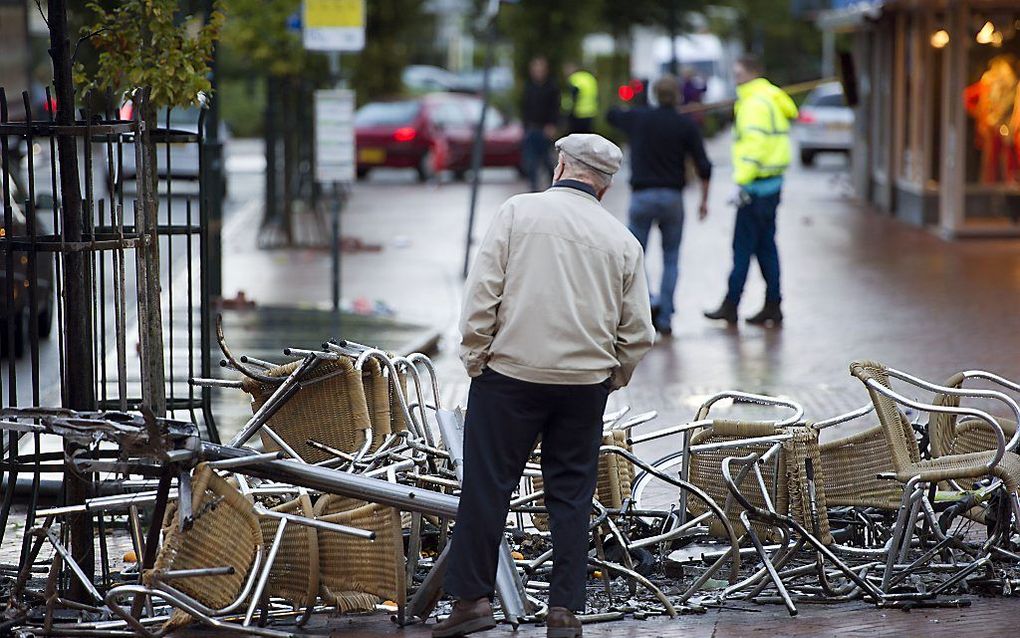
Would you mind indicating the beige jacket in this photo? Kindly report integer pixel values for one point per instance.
(557, 294)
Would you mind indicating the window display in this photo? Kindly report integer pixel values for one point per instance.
(993, 103)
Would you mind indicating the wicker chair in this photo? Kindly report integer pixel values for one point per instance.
(384, 408)
(356, 575)
(914, 474)
(949, 435)
(706, 471)
(852, 467)
(330, 408)
(294, 575)
(225, 535)
(807, 519)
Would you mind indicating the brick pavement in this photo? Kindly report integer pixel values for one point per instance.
(985, 617)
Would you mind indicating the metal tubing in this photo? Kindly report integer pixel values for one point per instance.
(266, 570)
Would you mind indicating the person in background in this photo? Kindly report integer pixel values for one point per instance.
(555, 318)
(661, 140)
(761, 154)
(580, 100)
(540, 111)
(693, 92)
(694, 87)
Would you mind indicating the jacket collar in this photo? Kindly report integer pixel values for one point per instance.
(575, 184)
(751, 87)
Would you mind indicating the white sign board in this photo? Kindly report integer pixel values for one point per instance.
(334, 25)
(334, 136)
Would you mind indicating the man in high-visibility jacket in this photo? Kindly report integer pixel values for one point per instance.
(761, 154)
(580, 102)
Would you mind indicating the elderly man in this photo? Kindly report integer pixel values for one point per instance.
(556, 316)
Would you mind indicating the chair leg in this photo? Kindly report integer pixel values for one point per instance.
(899, 531)
(769, 567)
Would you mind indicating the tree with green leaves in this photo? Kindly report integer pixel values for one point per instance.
(161, 59)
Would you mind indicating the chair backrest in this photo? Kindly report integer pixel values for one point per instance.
(377, 398)
(898, 432)
(225, 533)
(851, 466)
(330, 408)
(799, 450)
(942, 427)
(357, 574)
(294, 575)
(706, 472)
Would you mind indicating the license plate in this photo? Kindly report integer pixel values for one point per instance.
(371, 155)
(839, 126)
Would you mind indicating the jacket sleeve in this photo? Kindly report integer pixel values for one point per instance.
(483, 293)
(635, 334)
(696, 144)
(753, 126)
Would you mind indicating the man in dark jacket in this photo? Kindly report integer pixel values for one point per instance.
(661, 140)
(540, 110)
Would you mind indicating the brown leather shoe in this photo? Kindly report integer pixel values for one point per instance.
(560, 622)
(467, 617)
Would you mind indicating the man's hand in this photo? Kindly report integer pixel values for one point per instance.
(703, 211)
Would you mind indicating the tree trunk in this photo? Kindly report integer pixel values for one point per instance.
(149, 287)
(79, 391)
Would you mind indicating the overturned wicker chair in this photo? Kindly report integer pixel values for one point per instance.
(330, 407)
(205, 569)
(294, 574)
(356, 575)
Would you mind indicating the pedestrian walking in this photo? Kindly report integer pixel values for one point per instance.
(761, 154)
(555, 318)
(581, 99)
(540, 112)
(661, 140)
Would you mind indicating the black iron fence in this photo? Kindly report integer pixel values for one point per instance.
(145, 308)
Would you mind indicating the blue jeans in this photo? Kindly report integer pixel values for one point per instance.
(755, 235)
(663, 207)
(535, 155)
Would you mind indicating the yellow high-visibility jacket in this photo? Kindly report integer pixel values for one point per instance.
(582, 97)
(762, 131)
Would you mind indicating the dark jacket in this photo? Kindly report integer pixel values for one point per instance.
(661, 140)
(540, 104)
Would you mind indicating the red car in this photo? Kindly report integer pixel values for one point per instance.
(432, 133)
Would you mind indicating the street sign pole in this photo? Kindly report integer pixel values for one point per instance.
(332, 26)
(478, 145)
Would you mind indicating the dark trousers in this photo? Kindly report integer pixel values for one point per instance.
(755, 235)
(536, 157)
(505, 417)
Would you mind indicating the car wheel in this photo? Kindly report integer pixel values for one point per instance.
(460, 176)
(807, 158)
(362, 173)
(45, 320)
(425, 167)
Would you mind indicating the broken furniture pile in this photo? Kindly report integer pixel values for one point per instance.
(340, 495)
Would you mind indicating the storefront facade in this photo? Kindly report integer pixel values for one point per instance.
(938, 111)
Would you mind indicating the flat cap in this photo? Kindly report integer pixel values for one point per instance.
(594, 150)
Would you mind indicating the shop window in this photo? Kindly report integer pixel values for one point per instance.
(992, 100)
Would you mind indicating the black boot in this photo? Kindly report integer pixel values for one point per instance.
(769, 315)
(727, 311)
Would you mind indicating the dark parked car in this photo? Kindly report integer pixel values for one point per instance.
(433, 132)
(19, 314)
